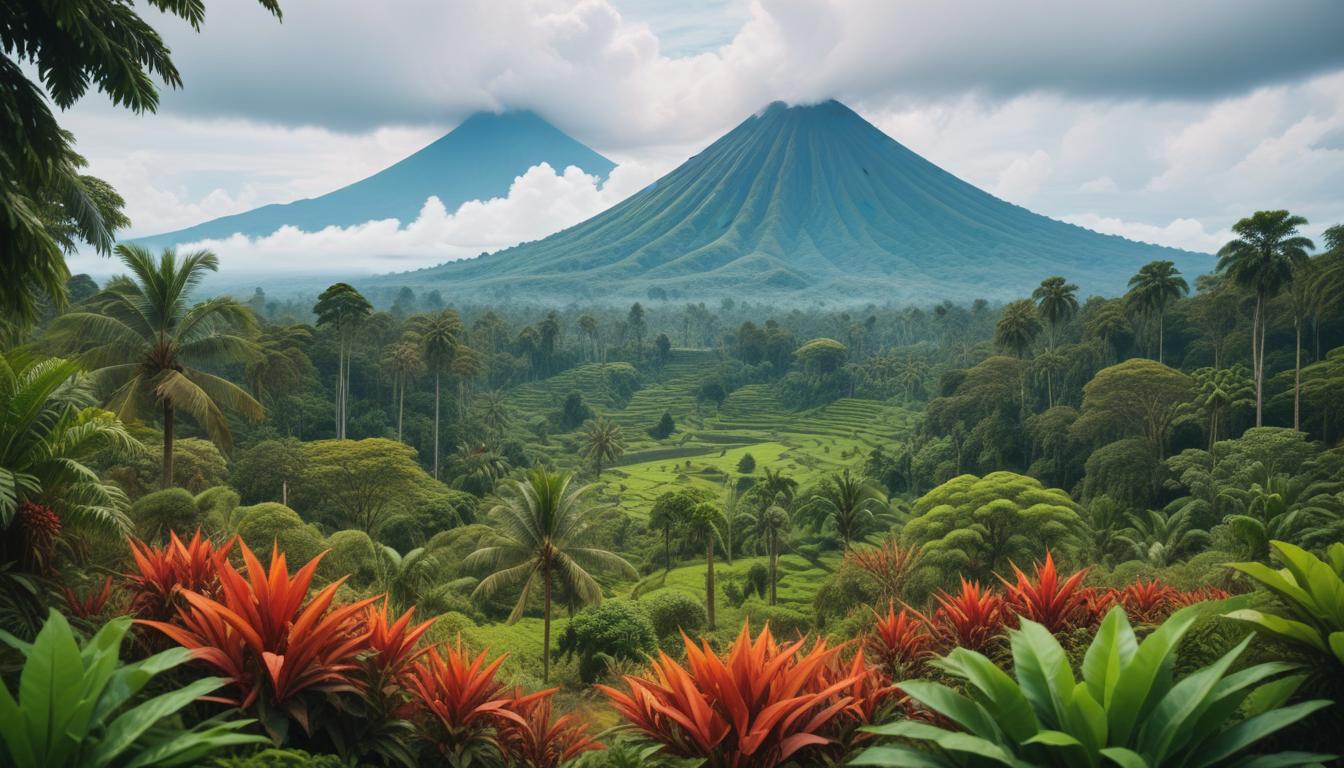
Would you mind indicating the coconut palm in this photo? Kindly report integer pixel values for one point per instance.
(143, 341)
(439, 335)
(477, 468)
(774, 487)
(588, 326)
(467, 364)
(404, 362)
(705, 528)
(280, 364)
(772, 524)
(343, 308)
(539, 531)
(494, 411)
(1018, 327)
(1262, 260)
(848, 505)
(1107, 324)
(737, 516)
(50, 427)
(1156, 285)
(601, 441)
(1057, 302)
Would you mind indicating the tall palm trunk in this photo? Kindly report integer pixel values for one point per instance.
(774, 566)
(436, 425)
(1257, 359)
(1297, 376)
(401, 405)
(709, 582)
(1161, 334)
(546, 625)
(168, 418)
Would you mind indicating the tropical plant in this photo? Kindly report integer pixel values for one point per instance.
(669, 515)
(539, 535)
(404, 363)
(772, 525)
(1262, 259)
(1218, 391)
(1311, 591)
(601, 442)
(604, 635)
(406, 577)
(439, 335)
(848, 505)
(1018, 327)
(1161, 537)
(704, 527)
(51, 428)
(899, 640)
(1054, 603)
(762, 704)
(1156, 285)
(459, 698)
(163, 573)
(737, 516)
(344, 309)
(1144, 602)
(145, 343)
(889, 563)
(1128, 709)
(530, 737)
(271, 641)
(476, 468)
(1057, 302)
(78, 706)
(972, 618)
(1276, 506)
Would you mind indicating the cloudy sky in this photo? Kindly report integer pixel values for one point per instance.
(1157, 120)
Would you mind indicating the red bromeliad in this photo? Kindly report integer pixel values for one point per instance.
(889, 563)
(528, 736)
(971, 618)
(1147, 602)
(1046, 600)
(899, 641)
(394, 644)
(91, 604)
(162, 572)
(758, 706)
(460, 698)
(268, 638)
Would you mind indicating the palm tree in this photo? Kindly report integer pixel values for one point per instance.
(1220, 390)
(404, 362)
(539, 530)
(601, 442)
(50, 427)
(494, 412)
(467, 364)
(1262, 260)
(705, 527)
(145, 341)
(771, 525)
(1157, 284)
(848, 504)
(1018, 328)
(773, 487)
(736, 516)
(345, 309)
(1057, 302)
(588, 326)
(1107, 324)
(1162, 537)
(478, 468)
(280, 364)
(439, 335)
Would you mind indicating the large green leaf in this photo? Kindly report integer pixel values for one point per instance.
(1042, 670)
(1125, 758)
(1173, 720)
(14, 737)
(899, 757)
(996, 691)
(1111, 649)
(1287, 629)
(189, 747)
(49, 689)
(1251, 730)
(132, 724)
(952, 705)
(1146, 678)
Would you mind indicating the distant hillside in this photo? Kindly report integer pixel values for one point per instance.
(806, 202)
(477, 160)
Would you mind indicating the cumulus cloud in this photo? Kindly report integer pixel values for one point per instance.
(539, 202)
(1180, 233)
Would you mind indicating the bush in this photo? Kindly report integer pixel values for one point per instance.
(614, 630)
(746, 465)
(671, 611)
(279, 758)
(448, 627)
(352, 554)
(785, 623)
(758, 580)
(216, 506)
(663, 428)
(732, 591)
(172, 509)
(264, 525)
(846, 589)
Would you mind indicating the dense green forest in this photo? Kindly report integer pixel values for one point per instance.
(1068, 530)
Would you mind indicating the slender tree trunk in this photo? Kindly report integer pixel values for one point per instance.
(436, 427)
(1257, 363)
(401, 406)
(667, 550)
(1161, 334)
(709, 582)
(546, 628)
(284, 492)
(774, 566)
(1297, 377)
(167, 444)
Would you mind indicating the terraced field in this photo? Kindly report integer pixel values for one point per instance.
(707, 446)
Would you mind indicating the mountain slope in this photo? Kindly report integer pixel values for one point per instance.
(807, 200)
(477, 160)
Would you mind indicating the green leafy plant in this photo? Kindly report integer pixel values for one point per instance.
(78, 706)
(1128, 710)
(1312, 592)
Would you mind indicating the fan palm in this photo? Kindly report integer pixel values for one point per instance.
(539, 530)
(1152, 290)
(1161, 537)
(847, 504)
(601, 442)
(1262, 260)
(49, 426)
(439, 335)
(143, 341)
(494, 411)
(771, 526)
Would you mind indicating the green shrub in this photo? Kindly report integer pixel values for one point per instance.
(732, 591)
(216, 506)
(352, 554)
(172, 509)
(663, 428)
(448, 626)
(784, 622)
(843, 591)
(758, 580)
(672, 612)
(263, 525)
(614, 630)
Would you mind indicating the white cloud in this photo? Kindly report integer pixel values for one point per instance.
(539, 203)
(1180, 233)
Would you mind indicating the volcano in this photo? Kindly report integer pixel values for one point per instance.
(477, 160)
(798, 201)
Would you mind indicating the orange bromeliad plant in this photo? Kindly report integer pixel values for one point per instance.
(460, 702)
(529, 737)
(270, 639)
(1046, 600)
(758, 706)
(162, 572)
(394, 642)
(899, 641)
(971, 618)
